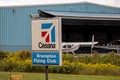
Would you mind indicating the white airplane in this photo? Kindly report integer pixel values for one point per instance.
(73, 46)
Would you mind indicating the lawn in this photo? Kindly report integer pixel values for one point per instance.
(41, 76)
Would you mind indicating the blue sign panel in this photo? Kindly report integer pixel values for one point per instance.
(45, 58)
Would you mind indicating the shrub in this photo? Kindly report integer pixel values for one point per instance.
(3, 54)
(24, 54)
(96, 64)
(112, 58)
(69, 57)
(102, 69)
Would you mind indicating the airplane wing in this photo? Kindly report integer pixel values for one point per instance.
(79, 43)
(73, 46)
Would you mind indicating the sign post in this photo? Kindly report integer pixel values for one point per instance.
(46, 42)
(46, 70)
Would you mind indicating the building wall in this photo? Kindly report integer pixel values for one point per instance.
(15, 22)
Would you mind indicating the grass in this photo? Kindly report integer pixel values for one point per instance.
(41, 76)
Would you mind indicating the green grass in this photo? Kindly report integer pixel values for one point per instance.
(41, 76)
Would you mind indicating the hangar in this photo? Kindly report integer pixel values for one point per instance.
(79, 22)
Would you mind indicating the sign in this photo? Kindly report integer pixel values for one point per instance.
(46, 58)
(46, 41)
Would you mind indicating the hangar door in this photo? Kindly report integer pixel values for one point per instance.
(81, 30)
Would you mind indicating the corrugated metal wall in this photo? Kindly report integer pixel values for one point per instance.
(15, 22)
(91, 8)
(15, 28)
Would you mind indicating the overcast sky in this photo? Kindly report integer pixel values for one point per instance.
(115, 3)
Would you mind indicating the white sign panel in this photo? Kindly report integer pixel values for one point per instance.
(46, 41)
(45, 34)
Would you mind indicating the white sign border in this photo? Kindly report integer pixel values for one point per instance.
(59, 40)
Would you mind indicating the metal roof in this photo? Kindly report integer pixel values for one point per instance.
(18, 3)
(81, 15)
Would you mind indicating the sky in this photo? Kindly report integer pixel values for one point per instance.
(115, 3)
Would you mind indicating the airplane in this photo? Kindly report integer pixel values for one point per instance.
(73, 46)
(111, 46)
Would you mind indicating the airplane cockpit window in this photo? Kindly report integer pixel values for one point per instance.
(67, 46)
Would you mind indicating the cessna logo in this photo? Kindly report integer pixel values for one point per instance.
(48, 35)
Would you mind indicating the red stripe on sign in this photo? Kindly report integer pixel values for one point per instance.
(47, 38)
(44, 33)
